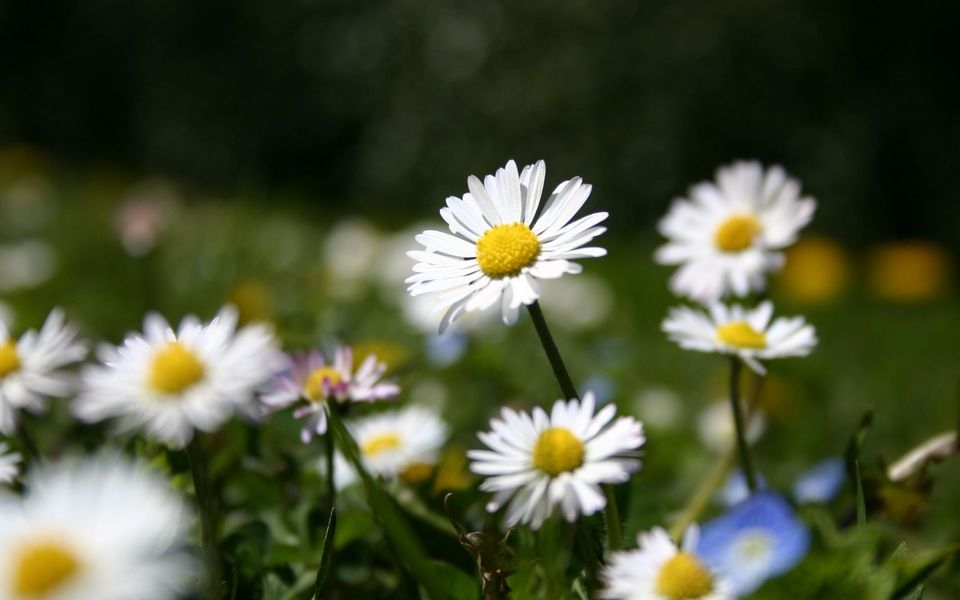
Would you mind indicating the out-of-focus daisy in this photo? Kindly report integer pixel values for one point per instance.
(313, 380)
(401, 444)
(144, 216)
(821, 483)
(716, 429)
(101, 528)
(539, 462)
(660, 407)
(658, 570)
(756, 540)
(170, 383)
(9, 464)
(30, 367)
(729, 234)
(747, 333)
(350, 254)
(497, 250)
(26, 264)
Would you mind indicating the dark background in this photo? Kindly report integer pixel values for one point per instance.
(386, 107)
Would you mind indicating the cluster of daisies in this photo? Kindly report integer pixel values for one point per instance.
(727, 238)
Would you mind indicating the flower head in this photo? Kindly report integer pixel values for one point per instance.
(100, 528)
(729, 234)
(315, 381)
(498, 250)
(658, 570)
(756, 540)
(30, 367)
(171, 382)
(9, 464)
(541, 462)
(747, 333)
(821, 483)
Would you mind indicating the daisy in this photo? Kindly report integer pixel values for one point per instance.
(658, 570)
(756, 540)
(9, 464)
(103, 528)
(403, 443)
(743, 332)
(497, 250)
(310, 378)
(543, 462)
(30, 368)
(729, 234)
(171, 382)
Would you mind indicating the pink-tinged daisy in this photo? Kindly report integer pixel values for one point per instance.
(498, 247)
(310, 379)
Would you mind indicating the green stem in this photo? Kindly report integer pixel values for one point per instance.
(701, 497)
(738, 421)
(328, 448)
(26, 442)
(589, 552)
(553, 354)
(614, 537)
(206, 505)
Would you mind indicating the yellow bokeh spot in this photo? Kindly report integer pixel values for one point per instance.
(391, 354)
(416, 473)
(505, 250)
(737, 233)
(319, 381)
(9, 359)
(557, 450)
(40, 568)
(253, 301)
(378, 444)
(174, 369)
(452, 472)
(909, 271)
(740, 335)
(817, 271)
(684, 577)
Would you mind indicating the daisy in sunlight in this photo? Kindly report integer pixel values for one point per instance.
(498, 246)
(728, 235)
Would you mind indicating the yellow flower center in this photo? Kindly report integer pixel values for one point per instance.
(9, 359)
(319, 381)
(505, 250)
(41, 567)
(736, 233)
(684, 577)
(383, 442)
(175, 368)
(557, 451)
(741, 335)
(416, 473)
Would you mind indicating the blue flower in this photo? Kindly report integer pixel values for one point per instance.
(821, 483)
(754, 541)
(735, 490)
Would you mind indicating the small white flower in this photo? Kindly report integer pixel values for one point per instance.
(402, 443)
(717, 431)
(658, 570)
(171, 382)
(747, 333)
(309, 377)
(30, 368)
(9, 464)
(102, 528)
(540, 463)
(497, 250)
(729, 234)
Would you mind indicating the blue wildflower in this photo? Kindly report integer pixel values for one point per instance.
(735, 490)
(754, 541)
(821, 483)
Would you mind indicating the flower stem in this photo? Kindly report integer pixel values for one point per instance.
(27, 444)
(328, 448)
(745, 462)
(614, 538)
(701, 497)
(206, 505)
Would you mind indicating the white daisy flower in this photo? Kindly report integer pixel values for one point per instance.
(497, 250)
(309, 377)
(9, 464)
(30, 368)
(401, 444)
(658, 570)
(101, 528)
(747, 333)
(171, 382)
(543, 462)
(729, 234)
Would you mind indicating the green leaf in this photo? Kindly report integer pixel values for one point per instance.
(915, 570)
(457, 584)
(855, 445)
(861, 502)
(918, 593)
(326, 554)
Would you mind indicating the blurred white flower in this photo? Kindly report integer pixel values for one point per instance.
(350, 257)
(145, 215)
(26, 264)
(659, 407)
(716, 429)
(9, 464)
(577, 303)
(400, 443)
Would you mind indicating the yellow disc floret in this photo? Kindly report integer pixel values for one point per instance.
(557, 450)
(737, 233)
(9, 359)
(684, 577)
(40, 568)
(175, 368)
(383, 442)
(319, 381)
(505, 250)
(741, 335)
